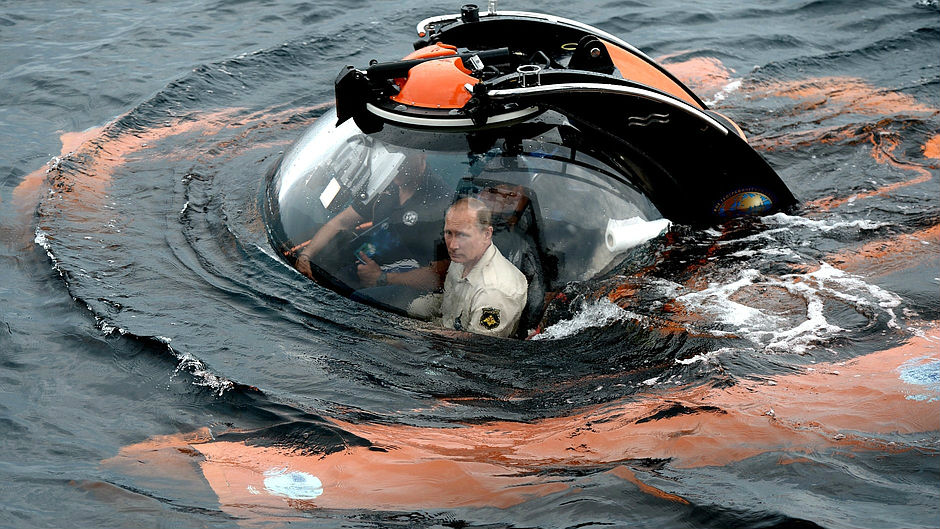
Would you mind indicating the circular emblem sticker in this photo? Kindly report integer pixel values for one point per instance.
(409, 218)
(742, 203)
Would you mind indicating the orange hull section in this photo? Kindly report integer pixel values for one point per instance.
(842, 407)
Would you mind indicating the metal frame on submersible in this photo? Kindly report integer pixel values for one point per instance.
(693, 163)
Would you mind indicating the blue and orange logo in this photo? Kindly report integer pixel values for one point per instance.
(740, 203)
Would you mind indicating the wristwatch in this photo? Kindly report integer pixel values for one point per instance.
(382, 280)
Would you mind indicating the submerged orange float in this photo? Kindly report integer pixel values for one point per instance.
(892, 392)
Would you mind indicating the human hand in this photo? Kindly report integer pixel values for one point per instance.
(303, 265)
(368, 270)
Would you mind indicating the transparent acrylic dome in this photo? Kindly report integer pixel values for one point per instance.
(559, 213)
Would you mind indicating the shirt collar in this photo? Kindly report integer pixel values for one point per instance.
(476, 271)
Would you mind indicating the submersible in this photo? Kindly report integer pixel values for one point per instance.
(581, 145)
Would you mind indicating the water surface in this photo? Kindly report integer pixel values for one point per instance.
(759, 374)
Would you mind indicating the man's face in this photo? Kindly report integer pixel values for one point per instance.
(465, 241)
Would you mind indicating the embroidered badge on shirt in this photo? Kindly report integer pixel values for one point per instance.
(490, 318)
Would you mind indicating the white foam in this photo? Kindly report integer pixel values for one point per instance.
(716, 301)
(42, 239)
(786, 222)
(704, 357)
(203, 377)
(598, 314)
(813, 329)
(104, 326)
(773, 332)
(851, 289)
(778, 252)
(823, 225)
(55, 162)
(727, 90)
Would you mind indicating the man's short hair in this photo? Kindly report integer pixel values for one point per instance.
(483, 214)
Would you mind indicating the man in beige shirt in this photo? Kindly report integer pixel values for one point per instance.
(483, 292)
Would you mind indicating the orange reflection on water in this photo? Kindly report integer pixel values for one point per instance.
(835, 96)
(891, 255)
(883, 152)
(827, 98)
(706, 76)
(101, 151)
(25, 193)
(932, 149)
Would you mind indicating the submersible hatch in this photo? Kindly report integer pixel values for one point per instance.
(581, 145)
